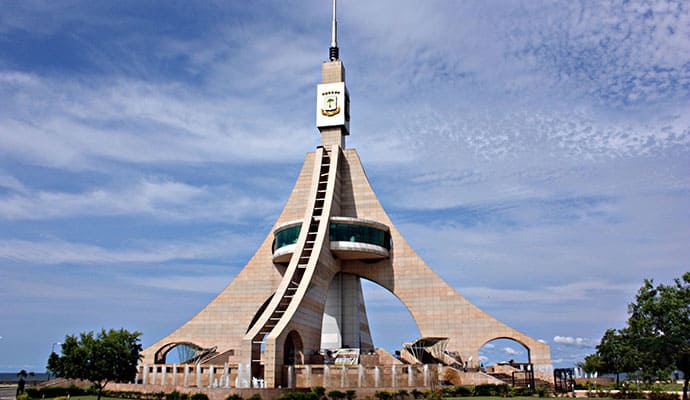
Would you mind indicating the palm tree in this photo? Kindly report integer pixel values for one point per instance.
(22, 381)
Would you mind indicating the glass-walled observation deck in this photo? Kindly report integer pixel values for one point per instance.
(350, 239)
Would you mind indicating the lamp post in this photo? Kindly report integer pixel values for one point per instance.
(52, 350)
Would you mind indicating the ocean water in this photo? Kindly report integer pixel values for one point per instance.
(11, 377)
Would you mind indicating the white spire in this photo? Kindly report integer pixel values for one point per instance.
(334, 29)
(333, 51)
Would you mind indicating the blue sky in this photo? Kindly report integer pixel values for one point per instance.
(535, 154)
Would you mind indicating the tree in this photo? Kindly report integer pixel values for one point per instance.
(659, 328)
(591, 364)
(110, 356)
(617, 353)
(22, 380)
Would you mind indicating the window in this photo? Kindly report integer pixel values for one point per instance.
(287, 236)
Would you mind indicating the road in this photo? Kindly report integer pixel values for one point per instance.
(8, 392)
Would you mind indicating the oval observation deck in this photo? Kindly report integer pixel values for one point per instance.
(350, 239)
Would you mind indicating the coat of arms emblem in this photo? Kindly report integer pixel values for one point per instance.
(330, 105)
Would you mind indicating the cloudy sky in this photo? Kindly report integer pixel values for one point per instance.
(535, 154)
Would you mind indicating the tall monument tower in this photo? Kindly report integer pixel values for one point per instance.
(301, 291)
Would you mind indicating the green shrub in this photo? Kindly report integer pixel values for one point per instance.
(625, 393)
(161, 395)
(298, 396)
(234, 396)
(521, 391)
(56, 391)
(174, 395)
(456, 391)
(417, 394)
(660, 395)
(491, 389)
(199, 396)
(485, 389)
(319, 391)
(350, 394)
(336, 394)
(255, 396)
(463, 391)
(433, 394)
(23, 396)
(383, 395)
(132, 395)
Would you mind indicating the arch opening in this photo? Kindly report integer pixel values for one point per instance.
(390, 322)
(293, 352)
(184, 352)
(503, 351)
(259, 312)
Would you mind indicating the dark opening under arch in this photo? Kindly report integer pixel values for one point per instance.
(293, 349)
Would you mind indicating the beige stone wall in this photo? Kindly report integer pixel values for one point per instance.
(212, 393)
(307, 376)
(384, 376)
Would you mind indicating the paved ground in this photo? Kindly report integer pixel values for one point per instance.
(7, 392)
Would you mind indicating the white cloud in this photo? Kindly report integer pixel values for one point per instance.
(573, 341)
(510, 351)
(72, 125)
(203, 284)
(56, 251)
(12, 183)
(575, 291)
(162, 199)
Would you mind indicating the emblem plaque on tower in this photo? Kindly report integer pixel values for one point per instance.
(331, 105)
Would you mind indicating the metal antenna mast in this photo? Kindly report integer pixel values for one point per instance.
(333, 51)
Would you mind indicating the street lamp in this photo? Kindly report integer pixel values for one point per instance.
(52, 350)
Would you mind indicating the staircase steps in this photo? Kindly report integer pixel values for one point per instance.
(305, 254)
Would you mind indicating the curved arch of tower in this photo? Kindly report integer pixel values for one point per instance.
(301, 291)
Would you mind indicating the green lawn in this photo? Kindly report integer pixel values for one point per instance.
(675, 387)
(94, 398)
(447, 398)
(522, 398)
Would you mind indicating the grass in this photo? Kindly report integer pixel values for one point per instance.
(673, 387)
(445, 398)
(521, 398)
(91, 397)
(493, 398)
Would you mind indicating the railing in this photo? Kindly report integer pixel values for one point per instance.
(359, 376)
(188, 375)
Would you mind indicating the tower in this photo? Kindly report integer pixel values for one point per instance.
(301, 291)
